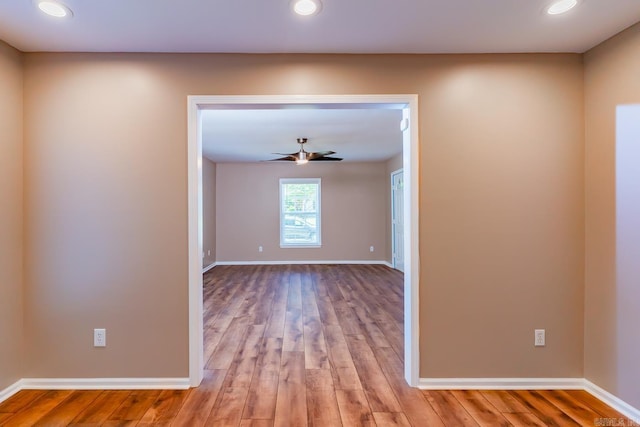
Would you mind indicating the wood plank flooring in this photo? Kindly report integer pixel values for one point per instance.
(303, 345)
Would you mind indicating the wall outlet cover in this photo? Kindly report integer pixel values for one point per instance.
(99, 337)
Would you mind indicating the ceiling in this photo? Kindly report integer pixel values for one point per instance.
(342, 26)
(371, 134)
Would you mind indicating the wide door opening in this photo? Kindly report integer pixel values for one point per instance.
(406, 103)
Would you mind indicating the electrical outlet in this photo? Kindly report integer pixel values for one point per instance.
(371, 249)
(539, 338)
(99, 337)
(259, 248)
(209, 252)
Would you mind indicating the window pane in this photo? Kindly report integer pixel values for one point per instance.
(300, 197)
(300, 213)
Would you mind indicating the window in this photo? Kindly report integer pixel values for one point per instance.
(300, 212)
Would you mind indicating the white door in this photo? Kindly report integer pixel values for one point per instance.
(397, 219)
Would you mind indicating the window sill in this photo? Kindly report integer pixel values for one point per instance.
(300, 246)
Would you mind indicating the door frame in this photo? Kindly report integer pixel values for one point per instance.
(410, 163)
(393, 212)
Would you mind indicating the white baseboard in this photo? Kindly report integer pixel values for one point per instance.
(361, 262)
(105, 383)
(10, 391)
(501, 383)
(94, 384)
(616, 403)
(208, 267)
(532, 384)
(424, 383)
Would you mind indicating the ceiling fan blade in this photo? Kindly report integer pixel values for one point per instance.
(303, 156)
(325, 159)
(284, 159)
(320, 154)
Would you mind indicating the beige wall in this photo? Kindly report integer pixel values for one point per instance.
(105, 212)
(394, 163)
(502, 220)
(353, 211)
(501, 202)
(612, 345)
(208, 212)
(11, 309)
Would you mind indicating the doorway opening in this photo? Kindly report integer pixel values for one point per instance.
(408, 104)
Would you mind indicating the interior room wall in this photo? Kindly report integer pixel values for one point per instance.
(11, 223)
(612, 346)
(208, 212)
(502, 220)
(501, 203)
(106, 218)
(353, 211)
(392, 165)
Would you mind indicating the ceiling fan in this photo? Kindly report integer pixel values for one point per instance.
(301, 157)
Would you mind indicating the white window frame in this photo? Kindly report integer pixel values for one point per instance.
(318, 181)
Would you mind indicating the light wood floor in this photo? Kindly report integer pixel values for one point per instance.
(303, 345)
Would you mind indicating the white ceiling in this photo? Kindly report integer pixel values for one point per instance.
(371, 134)
(343, 26)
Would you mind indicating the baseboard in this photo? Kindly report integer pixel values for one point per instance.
(209, 267)
(425, 383)
(532, 384)
(105, 383)
(501, 383)
(616, 403)
(94, 384)
(360, 262)
(10, 391)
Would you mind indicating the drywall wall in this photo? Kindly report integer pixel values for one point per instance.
(353, 211)
(502, 223)
(208, 212)
(394, 163)
(11, 187)
(501, 203)
(612, 346)
(105, 212)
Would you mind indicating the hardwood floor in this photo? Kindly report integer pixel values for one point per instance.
(300, 345)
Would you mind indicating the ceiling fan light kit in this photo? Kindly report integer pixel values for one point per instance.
(302, 157)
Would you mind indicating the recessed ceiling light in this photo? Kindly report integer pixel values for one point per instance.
(561, 6)
(306, 7)
(53, 8)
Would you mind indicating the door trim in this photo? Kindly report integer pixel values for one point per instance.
(410, 163)
(393, 215)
